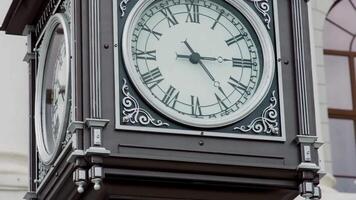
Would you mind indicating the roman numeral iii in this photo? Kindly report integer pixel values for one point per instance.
(244, 63)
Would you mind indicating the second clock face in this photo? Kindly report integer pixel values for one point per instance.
(52, 88)
(200, 62)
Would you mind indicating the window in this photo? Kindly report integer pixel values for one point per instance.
(340, 64)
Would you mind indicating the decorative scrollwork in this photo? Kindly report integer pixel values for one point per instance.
(263, 7)
(133, 113)
(42, 171)
(66, 6)
(267, 123)
(123, 6)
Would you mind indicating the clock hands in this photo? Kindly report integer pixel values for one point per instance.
(219, 59)
(195, 58)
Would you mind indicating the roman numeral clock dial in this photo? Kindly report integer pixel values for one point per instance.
(202, 63)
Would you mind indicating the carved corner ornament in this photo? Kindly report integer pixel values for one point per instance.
(267, 123)
(123, 6)
(133, 113)
(263, 7)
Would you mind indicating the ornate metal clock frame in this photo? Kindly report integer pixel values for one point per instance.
(266, 124)
(42, 133)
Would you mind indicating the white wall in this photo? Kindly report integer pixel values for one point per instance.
(319, 10)
(14, 114)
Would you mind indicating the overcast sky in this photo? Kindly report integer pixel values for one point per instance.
(4, 6)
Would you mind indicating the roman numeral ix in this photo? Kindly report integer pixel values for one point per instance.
(152, 78)
(146, 55)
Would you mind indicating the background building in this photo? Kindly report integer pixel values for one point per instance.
(14, 117)
(333, 33)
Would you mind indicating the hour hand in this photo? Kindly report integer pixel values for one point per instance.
(183, 56)
(219, 59)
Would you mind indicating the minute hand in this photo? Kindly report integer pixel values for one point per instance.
(206, 70)
(200, 62)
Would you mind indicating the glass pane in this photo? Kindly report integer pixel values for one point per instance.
(342, 14)
(343, 147)
(353, 48)
(346, 185)
(338, 82)
(331, 32)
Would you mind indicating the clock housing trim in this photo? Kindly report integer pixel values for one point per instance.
(260, 94)
(40, 122)
(119, 18)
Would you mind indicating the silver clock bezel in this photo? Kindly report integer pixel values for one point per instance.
(46, 156)
(260, 94)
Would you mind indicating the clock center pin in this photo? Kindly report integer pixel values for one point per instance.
(194, 58)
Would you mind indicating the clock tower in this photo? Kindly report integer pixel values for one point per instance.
(169, 99)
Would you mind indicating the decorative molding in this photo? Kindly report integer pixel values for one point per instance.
(67, 139)
(42, 171)
(263, 7)
(123, 6)
(300, 66)
(133, 113)
(267, 123)
(66, 6)
(48, 11)
(95, 55)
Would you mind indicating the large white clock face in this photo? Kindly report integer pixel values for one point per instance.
(203, 63)
(52, 88)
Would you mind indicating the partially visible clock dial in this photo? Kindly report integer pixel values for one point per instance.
(203, 63)
(53, 88)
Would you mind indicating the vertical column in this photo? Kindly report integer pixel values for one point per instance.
(308, 168)
(30, 59)
(94, 53)
(95, 123)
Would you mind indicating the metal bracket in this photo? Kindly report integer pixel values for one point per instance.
(96, 126)
(29, 57)
(96, 150)
(100, 123)
(75, 125)
(96, 176)
(72, 128)
(309, 170)
(30, 196)
(80, 179)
